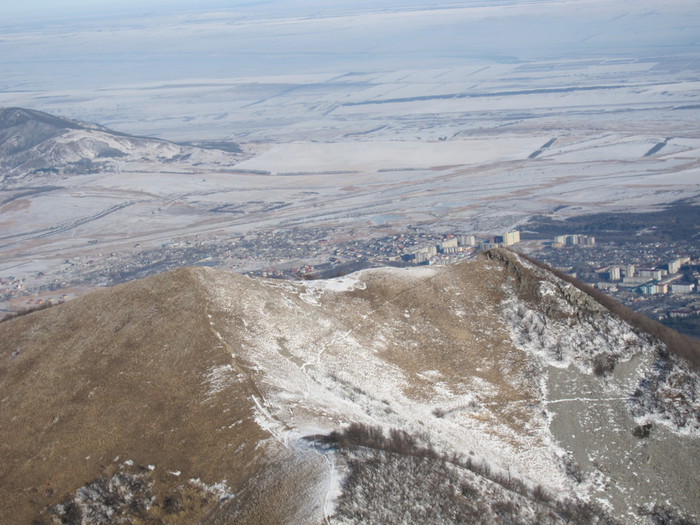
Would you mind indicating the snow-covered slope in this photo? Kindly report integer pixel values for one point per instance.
(488, 389)
(36, 143)
(477, 360)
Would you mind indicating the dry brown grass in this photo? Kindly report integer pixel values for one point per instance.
(119, 373)
(454, 328)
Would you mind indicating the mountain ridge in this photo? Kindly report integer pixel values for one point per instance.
(34, 143)
(220, 377)
(158, 433)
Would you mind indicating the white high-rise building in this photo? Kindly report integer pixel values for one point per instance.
(511, 238)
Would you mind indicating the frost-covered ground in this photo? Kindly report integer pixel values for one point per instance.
(492, 361)
(321, 368)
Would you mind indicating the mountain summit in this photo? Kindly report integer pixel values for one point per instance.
(489, 391)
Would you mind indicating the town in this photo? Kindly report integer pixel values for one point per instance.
(659, 279)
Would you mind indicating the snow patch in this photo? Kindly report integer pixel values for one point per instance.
(219, 489)
(565, 335)
(219, 378)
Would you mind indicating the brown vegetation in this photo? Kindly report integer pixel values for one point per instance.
(28, 310)
(202, 372)
(122, 374)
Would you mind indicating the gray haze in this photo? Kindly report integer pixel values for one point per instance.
(77, 59)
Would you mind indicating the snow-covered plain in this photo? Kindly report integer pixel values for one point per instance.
(373, 156)
(352, 116)
(479, 185)
(297, 70)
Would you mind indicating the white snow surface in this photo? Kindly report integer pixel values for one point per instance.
(320, 359)
(318, 372)
(387, 155)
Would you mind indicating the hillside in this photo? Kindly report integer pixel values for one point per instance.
(37, 143)
(489, 391)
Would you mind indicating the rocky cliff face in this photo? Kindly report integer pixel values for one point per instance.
(489, 389)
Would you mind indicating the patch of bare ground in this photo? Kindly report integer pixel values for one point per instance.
(16, 205)
(453, 338)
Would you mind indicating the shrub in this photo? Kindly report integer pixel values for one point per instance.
(642, 431)
(603, 364)
(539, 493)
(680, 345)
(25, 311)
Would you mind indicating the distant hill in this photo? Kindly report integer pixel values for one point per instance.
(489, 391)
(36, 143)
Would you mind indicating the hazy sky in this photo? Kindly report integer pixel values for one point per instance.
(28, 9)
(75, 50)
(64, 9)
(45, 43)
